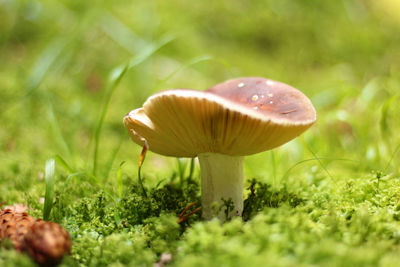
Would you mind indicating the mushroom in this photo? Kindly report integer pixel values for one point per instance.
(220, 126)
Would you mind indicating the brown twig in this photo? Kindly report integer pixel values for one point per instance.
(183, 217)
(187, 207)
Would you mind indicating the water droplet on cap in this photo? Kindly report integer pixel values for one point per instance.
(254, 97)
(269, 82)
(240, 85)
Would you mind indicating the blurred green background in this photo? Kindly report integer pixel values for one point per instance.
(58, 58)
(65, 64)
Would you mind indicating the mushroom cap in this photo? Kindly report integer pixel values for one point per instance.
(238, 117)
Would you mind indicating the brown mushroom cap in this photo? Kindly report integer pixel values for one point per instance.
(238, 117)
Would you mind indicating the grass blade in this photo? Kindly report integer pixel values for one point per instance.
(56, 129)
(113, 156)
(392, 157)
(384, 119)
(116, 78)
(63, 163)
(50, 180)
(182, 164)
(102, 116)
(119, 180)
(320, 162)
(286, 175)
(121, 33)
(43, 64)
(191, 170)
(193, 62)
(273, 164)
(39, 70)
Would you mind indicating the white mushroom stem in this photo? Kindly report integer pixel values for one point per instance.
(221, 178)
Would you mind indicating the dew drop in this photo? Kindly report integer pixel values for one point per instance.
(271, 102)
(262, 96)
(255, 107)
(269, 82)
(254, 98)
(270, 94)
(240, 85)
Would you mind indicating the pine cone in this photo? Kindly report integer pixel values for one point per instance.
(14, 226)
(45, 242)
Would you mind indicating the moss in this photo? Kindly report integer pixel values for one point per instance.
(262, 195)
(171, 198)
(14, 259)
(117, 249)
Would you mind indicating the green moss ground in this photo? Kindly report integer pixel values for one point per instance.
(328, 198)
